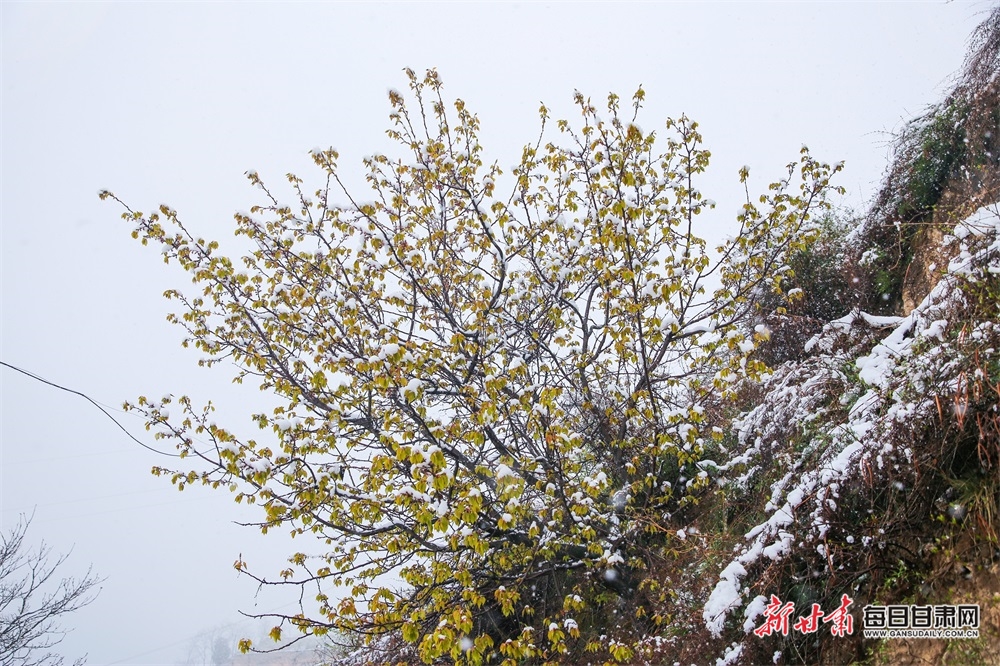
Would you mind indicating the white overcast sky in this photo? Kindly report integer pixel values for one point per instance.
(173, 102)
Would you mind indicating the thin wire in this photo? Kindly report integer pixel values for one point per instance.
(91, 401)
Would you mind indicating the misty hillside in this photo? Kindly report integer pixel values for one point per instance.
(868, 463)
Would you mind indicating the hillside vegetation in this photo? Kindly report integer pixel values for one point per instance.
(868, 463)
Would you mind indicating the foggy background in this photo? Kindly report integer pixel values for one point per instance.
(173, 102)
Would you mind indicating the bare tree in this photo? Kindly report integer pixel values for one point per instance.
(33, 599)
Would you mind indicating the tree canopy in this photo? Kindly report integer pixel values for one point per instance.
(495, 389)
